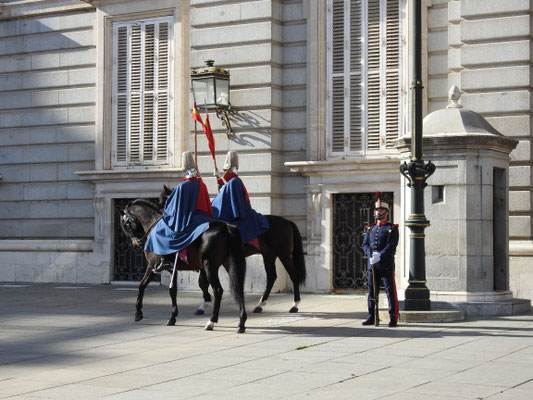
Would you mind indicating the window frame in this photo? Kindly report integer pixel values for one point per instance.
(364, 73)
(108, 12)
(128, 163)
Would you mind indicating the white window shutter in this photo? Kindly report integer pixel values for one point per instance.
(135, 98)
(148, 133)
(392, 71)
(356, 115)
(141, 92)
(149, 81)
(121, 98)
(337, 138)
(356, 128)
(337, 92)
(163, 100)
(373, 95)
(364, 71)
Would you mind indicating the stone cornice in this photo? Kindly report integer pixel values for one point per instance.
(97, 3)
(98, 176)
(47, 245)
(518, 248)
(27, 8)
(451, 143)
(362, 165)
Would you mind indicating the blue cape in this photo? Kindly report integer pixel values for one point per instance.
(231, 205)
(181, 223)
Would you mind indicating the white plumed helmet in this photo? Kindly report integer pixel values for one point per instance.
(187, 161)
(232, 160)
(380, 203)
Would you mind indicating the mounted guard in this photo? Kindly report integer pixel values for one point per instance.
(186, 216)
(232, 204)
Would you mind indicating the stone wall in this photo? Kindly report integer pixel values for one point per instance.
(489, 58)
(47, 84)
(46, 126)
(437, 55)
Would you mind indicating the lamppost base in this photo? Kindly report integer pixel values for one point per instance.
(417, 299)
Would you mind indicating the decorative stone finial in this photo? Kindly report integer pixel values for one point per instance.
(455, 95)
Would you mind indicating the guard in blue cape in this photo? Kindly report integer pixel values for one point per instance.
(186, 216)
(232, 204)
(379, 246)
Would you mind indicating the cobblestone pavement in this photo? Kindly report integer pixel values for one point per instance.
(77, 342)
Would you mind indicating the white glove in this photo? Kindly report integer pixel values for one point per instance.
(216, 173)
(375, 258)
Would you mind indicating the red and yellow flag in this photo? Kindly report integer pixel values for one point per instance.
(210, 138)
(207, 129)
(196, 116)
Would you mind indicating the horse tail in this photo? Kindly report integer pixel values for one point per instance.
(237, 269)
(298, 257)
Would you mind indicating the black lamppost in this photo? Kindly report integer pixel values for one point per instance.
(416, 171)
(210, 89)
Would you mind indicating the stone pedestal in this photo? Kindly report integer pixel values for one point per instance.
(467, 203)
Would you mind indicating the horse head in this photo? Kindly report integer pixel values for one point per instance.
(138, 218)
(164, 195)
(132, 227)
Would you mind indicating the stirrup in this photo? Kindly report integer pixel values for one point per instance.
(161, 266)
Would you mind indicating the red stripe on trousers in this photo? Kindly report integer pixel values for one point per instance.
(396, 306)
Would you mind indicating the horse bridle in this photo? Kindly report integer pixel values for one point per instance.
(131, 219)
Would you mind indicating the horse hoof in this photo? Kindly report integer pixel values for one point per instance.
(258, 310)
(199, 312)
(241, 329)
(171, 322)
(138, 317)
(209, 326)
(293, 310)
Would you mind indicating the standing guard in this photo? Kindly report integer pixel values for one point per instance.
(186, 216)
(379, 246)
(232, 204)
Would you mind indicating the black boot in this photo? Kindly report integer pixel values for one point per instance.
(162, 265)
(393, 323)
(369, 321)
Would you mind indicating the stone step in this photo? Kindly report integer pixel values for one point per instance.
(443, 315)
(508, 307)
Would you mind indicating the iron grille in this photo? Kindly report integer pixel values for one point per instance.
(129, 263)
(351, 213)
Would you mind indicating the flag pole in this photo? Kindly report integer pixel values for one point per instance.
(195, 146)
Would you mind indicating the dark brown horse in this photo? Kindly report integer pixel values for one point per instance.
(221, 243)
(283, 241)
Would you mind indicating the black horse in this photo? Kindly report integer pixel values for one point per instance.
(221, 243)
(283, 241)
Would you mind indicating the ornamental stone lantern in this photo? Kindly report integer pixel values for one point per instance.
(467, 202)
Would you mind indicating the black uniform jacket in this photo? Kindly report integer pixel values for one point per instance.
(382, 239)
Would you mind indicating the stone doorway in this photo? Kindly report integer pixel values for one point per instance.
(351, 213)
(129, 263)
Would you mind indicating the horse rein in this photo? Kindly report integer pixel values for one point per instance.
(131, 218)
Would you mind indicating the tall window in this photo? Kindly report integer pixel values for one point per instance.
(363, 75)
(142, 65)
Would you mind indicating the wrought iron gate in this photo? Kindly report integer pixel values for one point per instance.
(129, 264)
(351, 213)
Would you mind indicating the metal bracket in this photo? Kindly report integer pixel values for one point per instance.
(223, 115)
(417, 171)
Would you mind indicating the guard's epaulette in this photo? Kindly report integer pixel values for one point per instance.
(368, 226)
